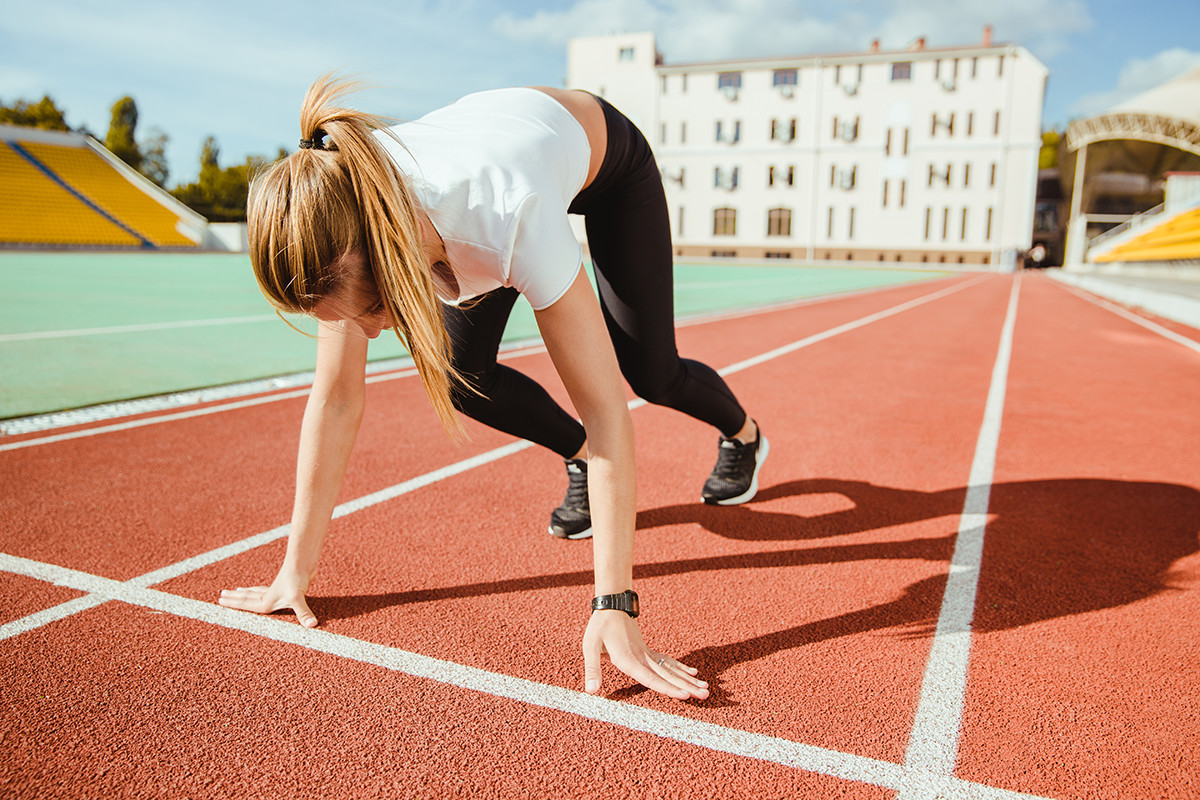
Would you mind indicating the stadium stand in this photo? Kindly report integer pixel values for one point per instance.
(66, 190)
(36, 210)
(1175, 239)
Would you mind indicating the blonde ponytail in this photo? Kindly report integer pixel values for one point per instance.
(327, 201)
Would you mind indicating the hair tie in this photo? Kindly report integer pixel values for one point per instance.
(315, 143)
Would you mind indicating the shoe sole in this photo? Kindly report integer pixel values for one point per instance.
(759, 459)
(572, 536)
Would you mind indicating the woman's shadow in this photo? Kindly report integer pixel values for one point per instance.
(1052, 548)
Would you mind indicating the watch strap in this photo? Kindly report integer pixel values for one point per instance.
(626, 601)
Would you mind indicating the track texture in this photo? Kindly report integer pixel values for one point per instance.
(447, 661)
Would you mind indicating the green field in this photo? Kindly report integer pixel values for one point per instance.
(81, 329)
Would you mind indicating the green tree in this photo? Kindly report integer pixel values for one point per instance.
(219, 194)
(42, 114)
(154, 157)
(120, 139)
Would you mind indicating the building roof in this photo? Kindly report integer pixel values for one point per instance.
(1168, 114)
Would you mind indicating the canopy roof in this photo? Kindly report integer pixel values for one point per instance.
(1168, 114)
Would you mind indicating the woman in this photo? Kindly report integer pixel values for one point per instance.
(431, 229)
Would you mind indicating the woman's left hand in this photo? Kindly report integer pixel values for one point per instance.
(616, 634)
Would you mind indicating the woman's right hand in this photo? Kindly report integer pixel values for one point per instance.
(286, 591)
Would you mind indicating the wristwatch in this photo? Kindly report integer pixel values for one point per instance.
(626, 601)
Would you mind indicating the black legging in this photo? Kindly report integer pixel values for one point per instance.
(629, 235)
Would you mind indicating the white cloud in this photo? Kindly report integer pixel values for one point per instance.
(690, 30)
(1139, 75)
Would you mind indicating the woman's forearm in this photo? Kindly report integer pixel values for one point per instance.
(612, 490)
(327, 437)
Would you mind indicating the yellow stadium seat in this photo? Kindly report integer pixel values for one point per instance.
(1175, 239)
(35, 210)
(89, 174)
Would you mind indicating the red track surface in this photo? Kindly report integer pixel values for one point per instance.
(811, 610)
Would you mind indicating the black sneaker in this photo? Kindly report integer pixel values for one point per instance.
(573, 519)
(734, 479)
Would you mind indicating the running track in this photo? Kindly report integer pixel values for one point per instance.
(972, 570)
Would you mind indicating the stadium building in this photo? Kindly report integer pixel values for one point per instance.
(918, 155)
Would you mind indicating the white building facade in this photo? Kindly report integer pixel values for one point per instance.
(921, 155)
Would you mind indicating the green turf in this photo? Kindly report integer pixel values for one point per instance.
(41, 292)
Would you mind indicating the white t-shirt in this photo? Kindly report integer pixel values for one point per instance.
(496, 172)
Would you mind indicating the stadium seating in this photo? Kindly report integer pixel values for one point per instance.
(1175, 239)
(36, 210)
(60, 192)
(90, 175)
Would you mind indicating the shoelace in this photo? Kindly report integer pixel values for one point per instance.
(577, 489)
(729, 460)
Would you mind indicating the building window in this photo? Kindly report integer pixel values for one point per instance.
(996, 125)
(992, 180)
(945, 222)
(885, 192)
(963, 235)
(681, 222)
(829, 227)
(903, 188)
(683, 86)
(725, 180)
(938, 122)
(727, 134)
(725, 222)
(905, 151)
(778, 254)
(970, 122)
(1000, 68)
(902, 71)
(626, 54)
(850, 229)
(785, 77)
(729, 80)
(974, 66)
(662, 133)
(928, 218)
(887, 143)
(791, 176)
(775, 130)
(779, 222)
(664, 84)
(770, 176)
(682, 132)
(966, 176)
(988, 231)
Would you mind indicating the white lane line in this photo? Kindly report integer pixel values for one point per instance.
(849, 326)
(139, 328)
(933, 745)
(194, 563)
(1150, 325)
(809, 758)
(520, 351)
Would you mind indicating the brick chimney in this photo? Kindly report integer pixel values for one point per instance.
(987, 35)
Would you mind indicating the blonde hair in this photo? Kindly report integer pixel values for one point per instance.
(309, 211)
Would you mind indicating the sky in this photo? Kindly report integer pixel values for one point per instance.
(238, 71)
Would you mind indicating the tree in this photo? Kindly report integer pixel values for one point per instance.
(219, 194)
(154, 157)
(120, 141)
(43, 114)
